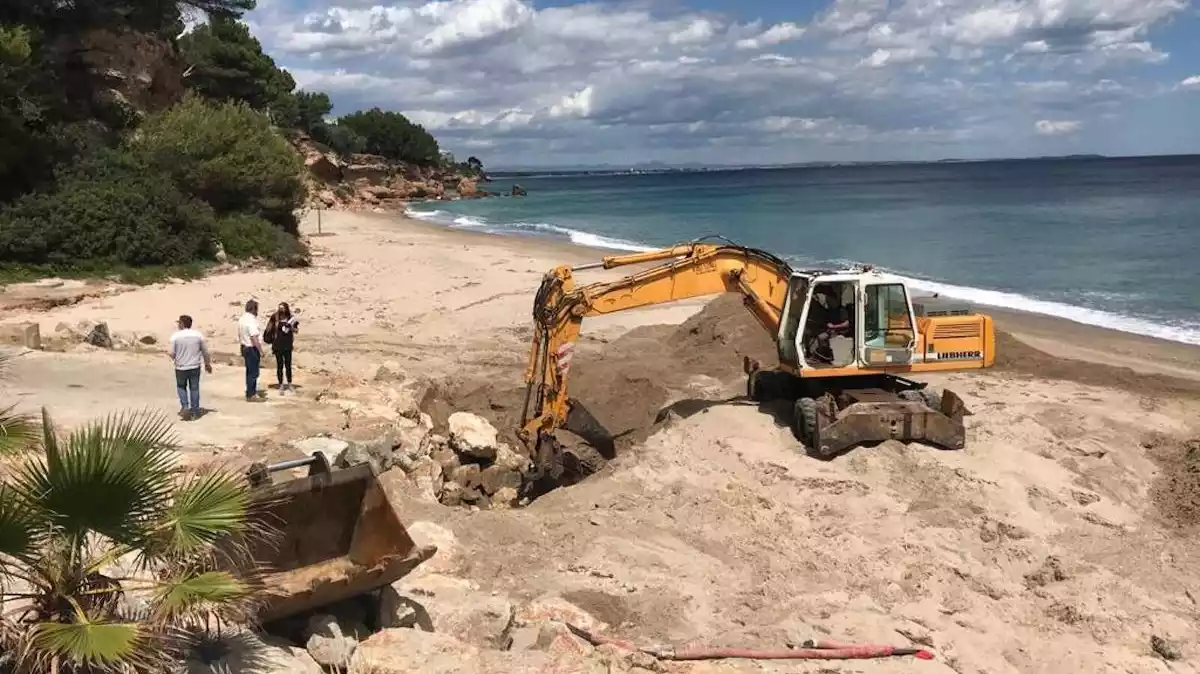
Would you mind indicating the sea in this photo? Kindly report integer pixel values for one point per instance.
(1110, 242)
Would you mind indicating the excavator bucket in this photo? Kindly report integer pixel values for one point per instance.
(868, 420)
(339, 536)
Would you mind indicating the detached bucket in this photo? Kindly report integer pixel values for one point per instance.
(338, 536)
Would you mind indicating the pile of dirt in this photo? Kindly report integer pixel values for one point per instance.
(1176, 491)
(1013, 355)
(625, 383)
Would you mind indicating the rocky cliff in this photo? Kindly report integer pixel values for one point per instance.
(372, 182)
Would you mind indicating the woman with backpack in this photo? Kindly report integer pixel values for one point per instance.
(281, 334)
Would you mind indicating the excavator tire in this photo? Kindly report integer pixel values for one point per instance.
(804, 422)
(766, 385)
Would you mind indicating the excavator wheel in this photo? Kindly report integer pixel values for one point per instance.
(804, 422)
(766, 385)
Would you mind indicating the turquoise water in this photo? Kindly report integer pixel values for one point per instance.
(1107, 242)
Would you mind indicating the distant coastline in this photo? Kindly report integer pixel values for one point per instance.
(646, 168)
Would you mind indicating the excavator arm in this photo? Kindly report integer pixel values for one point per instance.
(686, 271)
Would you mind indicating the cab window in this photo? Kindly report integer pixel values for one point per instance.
(886, 321)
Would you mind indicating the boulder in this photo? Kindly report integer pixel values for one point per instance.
(365, 168)
(28, 335)
(518, 191)
(496, 477)
(395, 610)
(378, 453)
(472, 435)
(445, 456)
(468, 475)
(330, 447)
(426, 476)
(452, 494)
(505, 497)
(331, 643)
(100, 336)
(410, 397)
(389, 371)
(382, 192)
(449, 550)
(247, 652)
(324, 165)
(554, 607)
(467, 188)
(459, 608)
(509, 459)
(328, 198)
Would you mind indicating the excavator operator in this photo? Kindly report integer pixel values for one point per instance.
(829, 318)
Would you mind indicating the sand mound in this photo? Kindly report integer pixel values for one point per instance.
(626, 382)
(1013, 355)
(1176, 492)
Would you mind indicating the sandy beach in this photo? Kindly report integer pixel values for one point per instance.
(1062, 539)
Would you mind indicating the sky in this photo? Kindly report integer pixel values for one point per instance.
(556, 82)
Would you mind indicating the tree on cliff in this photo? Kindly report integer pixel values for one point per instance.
(226, 63)
(392, 135)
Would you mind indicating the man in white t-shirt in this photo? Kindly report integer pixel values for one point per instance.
(250, 338)
(188, 351)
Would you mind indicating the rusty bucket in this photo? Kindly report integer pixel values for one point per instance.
(338, 536)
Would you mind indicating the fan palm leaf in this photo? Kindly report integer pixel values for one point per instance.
(18, 432)
(109, 477)
(94, 645)
(190, 595)
(204, 510)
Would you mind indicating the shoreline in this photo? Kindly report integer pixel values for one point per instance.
(1055, 335)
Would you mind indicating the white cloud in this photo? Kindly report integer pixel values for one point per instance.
(777, 34)
(646, 78)
(1192, 82)
(1047, 127)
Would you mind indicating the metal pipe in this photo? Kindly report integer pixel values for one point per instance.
(291, 463)
(590, 265)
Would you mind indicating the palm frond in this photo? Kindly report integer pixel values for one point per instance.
(90, 644)
(208, 508)
(110, 477)
(17, 525)
(212, 591)
(18, 432)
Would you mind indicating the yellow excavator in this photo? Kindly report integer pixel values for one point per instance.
(845, 338)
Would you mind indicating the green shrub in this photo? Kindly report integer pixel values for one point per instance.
(228, 155)
(109, 210)
(247, 236)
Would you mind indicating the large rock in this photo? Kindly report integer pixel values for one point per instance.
(449, 550)
(472, 435)
(246, 652)
(100, 336)
(379, 453)
(469, 476)
(366, 169)
(331, 643)
(324, 165)
(28, 335)
(553, 607)
(330, 447)
(467, 188)
(426, 475)
(495, 477)
(509, 459)
(458, 608)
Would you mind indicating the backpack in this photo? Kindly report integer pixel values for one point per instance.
(269, 333)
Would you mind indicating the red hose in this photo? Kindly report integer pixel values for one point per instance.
(814, 650)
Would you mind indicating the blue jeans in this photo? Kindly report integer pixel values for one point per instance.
(253, 358)
(187, 385)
